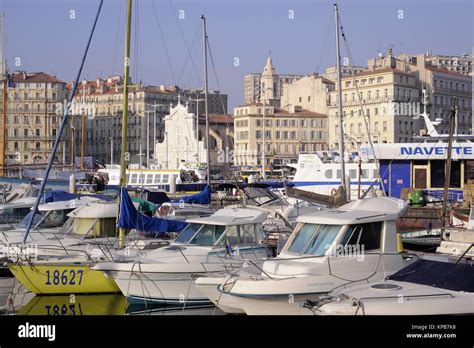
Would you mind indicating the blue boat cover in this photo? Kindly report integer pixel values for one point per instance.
(444, 275)
(203, 197)
(58, 196)
(130, 218)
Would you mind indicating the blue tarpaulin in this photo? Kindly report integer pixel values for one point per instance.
(130, 218)
(203, 197)
(58, 196)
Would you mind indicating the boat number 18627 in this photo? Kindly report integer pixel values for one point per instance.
(65, 277)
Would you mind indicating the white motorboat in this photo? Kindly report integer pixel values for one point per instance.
(354, 243)
(426, 287)
(219, 242)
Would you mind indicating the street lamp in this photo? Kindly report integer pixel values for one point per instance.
(166, 138)
(111, 150)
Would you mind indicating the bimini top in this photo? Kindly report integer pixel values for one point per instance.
(232, 216)
(359, 211)
(65, 205)
(95, 210)
(26, 202)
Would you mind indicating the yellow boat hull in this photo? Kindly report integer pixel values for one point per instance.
(57, 279)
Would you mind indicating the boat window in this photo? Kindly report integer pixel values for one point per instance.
(141, 178)
(328, 174)
(165, 178)
(54, 218)
(149, 178)
(24, 222)
(188, 233)
(249, 233)
(338, 174)
(304, 232)
(322, 240)
(133, 179)
(157, 179)
(353, 173)
(127, 178)
(232, 236)
(207, 235)
(366, 235)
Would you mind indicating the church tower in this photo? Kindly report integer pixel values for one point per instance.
(270, 84)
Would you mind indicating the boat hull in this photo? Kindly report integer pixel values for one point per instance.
(160, 288)
(49, 279)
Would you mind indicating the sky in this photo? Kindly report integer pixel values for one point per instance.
(51, 35)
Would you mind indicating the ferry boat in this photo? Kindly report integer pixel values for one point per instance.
(320, 172)
(188, 177)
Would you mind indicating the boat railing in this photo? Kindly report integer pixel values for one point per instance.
(258, 264)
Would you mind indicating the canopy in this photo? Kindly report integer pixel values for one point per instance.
(145, 206)
(444, 275)
(130, 218)
(58, 196)
(203, 197)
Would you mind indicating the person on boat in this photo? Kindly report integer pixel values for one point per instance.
(164, 210)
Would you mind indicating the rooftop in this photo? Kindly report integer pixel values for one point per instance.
(34, 77)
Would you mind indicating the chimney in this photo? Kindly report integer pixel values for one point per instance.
(24, 75)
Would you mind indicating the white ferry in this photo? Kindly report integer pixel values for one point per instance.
(320, 172)
(188, 177)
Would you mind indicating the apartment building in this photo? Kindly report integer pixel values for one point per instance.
(33, 119)
(288, 132)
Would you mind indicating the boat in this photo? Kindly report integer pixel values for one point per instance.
(351, 244)
(426, 287)
(166, 275)
(187, 177)
(320, 172)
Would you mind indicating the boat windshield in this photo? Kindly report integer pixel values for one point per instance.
(49, 219)
(24, 222)
(313, 239)
(200, 234)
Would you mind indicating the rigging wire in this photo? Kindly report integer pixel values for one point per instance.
(185, 44)
(164, 42)
(220, 96)
(197, 39)
(118, 33)
(364, 115)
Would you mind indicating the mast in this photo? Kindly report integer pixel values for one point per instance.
(339, 102)
(66, 112)
(264, 175)
(4, 98)
(208, 150)
(82, 138)
(83, 129)
(126, 70)
(447, 168)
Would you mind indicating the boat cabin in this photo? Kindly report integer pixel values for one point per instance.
(227, 227)
(366, 225)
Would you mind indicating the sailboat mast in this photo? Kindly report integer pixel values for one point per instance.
(339, 101)
(447, 169)
(4, 97)
(126, 71)
(208, 150)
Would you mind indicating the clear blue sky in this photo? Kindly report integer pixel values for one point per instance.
(42, 35)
